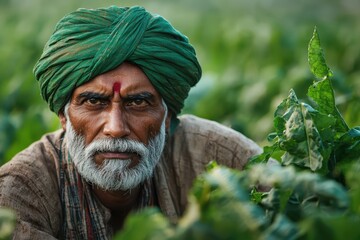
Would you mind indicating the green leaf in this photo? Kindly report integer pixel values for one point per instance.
(303, 133)
(320, 196)
(303, 193)
(263, 157)
(225, 179)
(348, 146)
(316, 58)
(153, 225)
(325, 124)
(281, 228)
(272, 136)
(332, 194)
(323, 96)
(277, 198)
(302, 140)
(283, 107)
(256, 196)
(222, 198)
(211, 165)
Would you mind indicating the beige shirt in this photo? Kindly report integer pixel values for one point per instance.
(29, 183)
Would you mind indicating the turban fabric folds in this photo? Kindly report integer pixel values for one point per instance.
(89, 42)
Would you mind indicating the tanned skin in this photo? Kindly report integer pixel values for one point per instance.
(121, 103)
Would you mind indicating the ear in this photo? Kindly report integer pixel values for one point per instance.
(62, 119)
(168, 119)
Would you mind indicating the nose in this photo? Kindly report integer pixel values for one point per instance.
(116, 125)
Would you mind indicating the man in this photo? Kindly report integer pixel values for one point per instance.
(117, 78)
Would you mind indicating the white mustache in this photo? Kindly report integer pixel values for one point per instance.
(116, 145)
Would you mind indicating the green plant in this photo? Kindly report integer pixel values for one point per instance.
(314, 191)
(313, 135)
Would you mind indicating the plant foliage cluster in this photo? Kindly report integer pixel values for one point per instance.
(312, 192)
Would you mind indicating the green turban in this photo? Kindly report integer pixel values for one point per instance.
(89, 42)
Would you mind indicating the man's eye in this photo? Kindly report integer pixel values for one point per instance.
(94, 101)
(137, 103)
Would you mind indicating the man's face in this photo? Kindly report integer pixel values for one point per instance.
(119, 105)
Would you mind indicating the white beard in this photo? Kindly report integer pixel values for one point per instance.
(114, 174)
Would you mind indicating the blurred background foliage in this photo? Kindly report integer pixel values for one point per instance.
(252, 54)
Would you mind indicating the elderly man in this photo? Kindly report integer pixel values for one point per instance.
(117, 78)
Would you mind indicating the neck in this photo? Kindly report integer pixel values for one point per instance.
(117, 200)
(120, 203)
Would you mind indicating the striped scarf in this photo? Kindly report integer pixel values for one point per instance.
(82, 214)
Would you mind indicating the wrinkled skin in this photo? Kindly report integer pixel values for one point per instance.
(121, 103)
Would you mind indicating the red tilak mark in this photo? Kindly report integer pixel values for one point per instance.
(116, 87)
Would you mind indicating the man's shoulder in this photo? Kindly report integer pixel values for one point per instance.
(195, 127)
(190, 122)
(194, 143)
(29, 186)
(197, 141)
(37, 157)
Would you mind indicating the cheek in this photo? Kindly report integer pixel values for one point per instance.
(86, 126)
(153, 131)
(154, 127)
(146, 128)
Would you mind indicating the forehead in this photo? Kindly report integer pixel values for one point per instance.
(126, 78)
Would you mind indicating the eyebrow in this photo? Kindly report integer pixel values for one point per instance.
(88, 95)
(142, 95)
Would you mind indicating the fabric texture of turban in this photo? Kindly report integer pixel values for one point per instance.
(89, 42)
